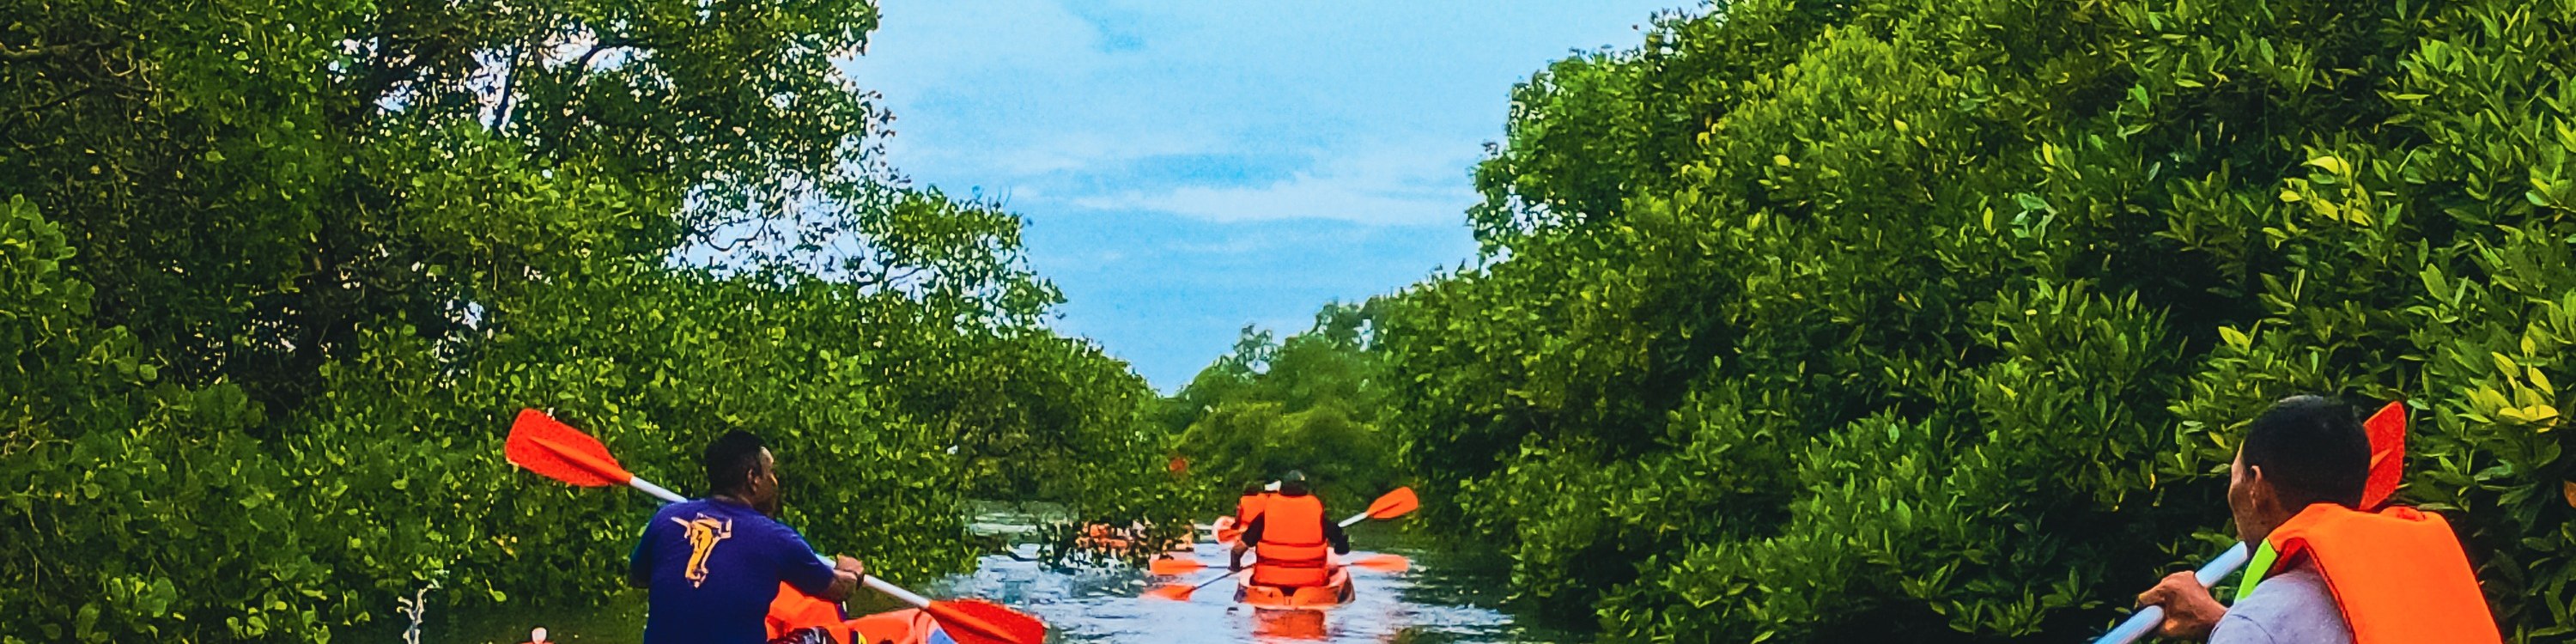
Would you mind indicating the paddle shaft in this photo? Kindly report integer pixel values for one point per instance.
(2146, 619)
(873, 583)
(1355, 519)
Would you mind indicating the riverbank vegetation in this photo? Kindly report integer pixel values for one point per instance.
(1310, 402)
(1798, 321)
(1826, 321)
(276, 276)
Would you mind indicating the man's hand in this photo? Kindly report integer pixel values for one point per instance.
(2189, 610)
(846, 573)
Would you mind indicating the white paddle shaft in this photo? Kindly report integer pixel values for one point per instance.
(879, 585)
(2146, 619)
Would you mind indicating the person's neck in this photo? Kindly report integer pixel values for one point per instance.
(2271, 522)
(730, 498)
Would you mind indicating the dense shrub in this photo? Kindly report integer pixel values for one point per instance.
(1815, 321)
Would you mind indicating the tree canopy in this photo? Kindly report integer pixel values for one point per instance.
(278, 275)
(1309, 403)
(1831, 321)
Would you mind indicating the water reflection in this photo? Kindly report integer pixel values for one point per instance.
(1429, 603)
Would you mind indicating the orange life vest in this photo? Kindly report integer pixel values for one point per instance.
(1246, 508)
(2398, 574)
(793, 609)
(1292, 549)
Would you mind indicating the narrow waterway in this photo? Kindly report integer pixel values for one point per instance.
(1447, 596)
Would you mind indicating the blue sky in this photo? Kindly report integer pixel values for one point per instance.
(1187, 168)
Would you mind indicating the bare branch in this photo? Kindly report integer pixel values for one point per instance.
(32, 53)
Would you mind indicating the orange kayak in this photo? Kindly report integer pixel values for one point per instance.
(907, 626)
(1098, 537)
(1227, 533)
(795, 610)
(1336, 591)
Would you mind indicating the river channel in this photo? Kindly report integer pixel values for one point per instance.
(1447, 596)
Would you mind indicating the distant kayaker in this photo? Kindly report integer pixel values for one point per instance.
(1246, 508)
(2324, 570)
(714, 564)
(1290, 535)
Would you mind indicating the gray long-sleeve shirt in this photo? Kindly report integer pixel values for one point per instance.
(2293, 607)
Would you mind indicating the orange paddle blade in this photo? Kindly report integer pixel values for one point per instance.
(1394, 504)
(2387, 431)
(1174, 566)
(973, 621)
(1384, 563)
(549, 447)
(1174, 592)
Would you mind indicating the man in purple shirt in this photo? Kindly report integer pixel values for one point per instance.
(714, 564)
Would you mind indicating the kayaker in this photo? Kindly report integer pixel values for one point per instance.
(1246, 508)
(2325, 571)
(1290, 534)
(714, 564)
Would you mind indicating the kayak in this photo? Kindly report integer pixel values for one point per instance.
(907, 626)
(794, 610)
(1102, 538)
(1226, 532)
(1336, 591)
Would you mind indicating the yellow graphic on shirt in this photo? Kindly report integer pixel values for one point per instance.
(703, 535)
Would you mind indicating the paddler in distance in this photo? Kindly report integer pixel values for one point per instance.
(713, 565)
(2325, 571)
(1291, 535)
(1246, 508)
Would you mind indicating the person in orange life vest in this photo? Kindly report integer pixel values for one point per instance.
(1246, 508)
(2324, 570)
(1291, 535)
(713, 565)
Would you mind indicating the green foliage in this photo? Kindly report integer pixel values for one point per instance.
(299, 263)
(1937, 320)
(1307, 403)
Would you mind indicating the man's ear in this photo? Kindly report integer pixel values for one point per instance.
(2257, 488)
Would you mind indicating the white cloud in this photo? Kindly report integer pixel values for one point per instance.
(1388, 186)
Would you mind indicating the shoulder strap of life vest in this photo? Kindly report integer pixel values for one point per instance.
(2399, 574)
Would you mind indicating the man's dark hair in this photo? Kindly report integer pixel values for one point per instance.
(2312, 449)
(1293, 483)
(731, 460)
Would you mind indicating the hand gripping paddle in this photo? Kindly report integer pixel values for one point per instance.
(548, 447)
(2387, 430)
